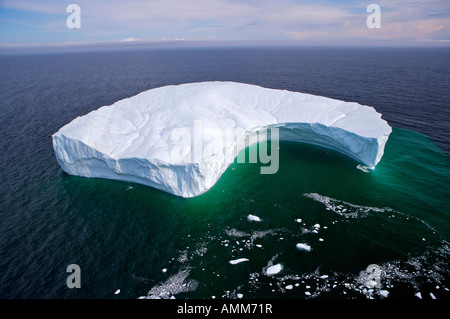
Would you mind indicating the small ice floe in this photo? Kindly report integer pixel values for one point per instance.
(237, 261)
(316, 228)
(129, 187)
(273, 270)
(363, 168)
(117, 292)
(253, 218)
(289, 287)
(164, 270)
(240, 296)
(432, 296)
(173, 285)
(384, 293)
(324, 277)
(301, 246)
(418, 295)
(298, 220)
(307, 293)
(258, 245)
(320, 239)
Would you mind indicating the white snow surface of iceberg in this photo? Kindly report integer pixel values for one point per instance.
(134, 139)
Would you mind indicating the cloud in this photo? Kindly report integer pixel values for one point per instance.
(131, 40)
(48, 6)
(247, 19)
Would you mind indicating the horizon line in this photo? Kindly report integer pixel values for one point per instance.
(131, 43)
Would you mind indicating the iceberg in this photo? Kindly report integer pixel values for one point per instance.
(273, 270)
(305, 247)
(182, 138)
(237, 261)
(253, 218)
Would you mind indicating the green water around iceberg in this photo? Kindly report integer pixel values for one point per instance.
(144, 241)
(149, 243)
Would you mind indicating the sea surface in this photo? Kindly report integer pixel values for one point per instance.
(151, 244)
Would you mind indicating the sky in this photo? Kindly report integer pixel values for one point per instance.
(26, 23)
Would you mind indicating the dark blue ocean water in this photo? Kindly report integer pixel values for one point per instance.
(149, 243)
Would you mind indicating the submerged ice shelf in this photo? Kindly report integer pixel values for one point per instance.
(181, 139)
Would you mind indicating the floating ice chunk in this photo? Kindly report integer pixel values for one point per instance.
(301, 246)
(298, 220)
(173, 285)
(432, 295)
(164, 270)
(117, 292)
(307, 293)
(289, 287)
(363, 168)
(384, 293)
(237, 261)
(240, 296)
(253, 218)
(351, 210)
(142, 139)
(317, 226)
(324, 277)
(273, 270)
